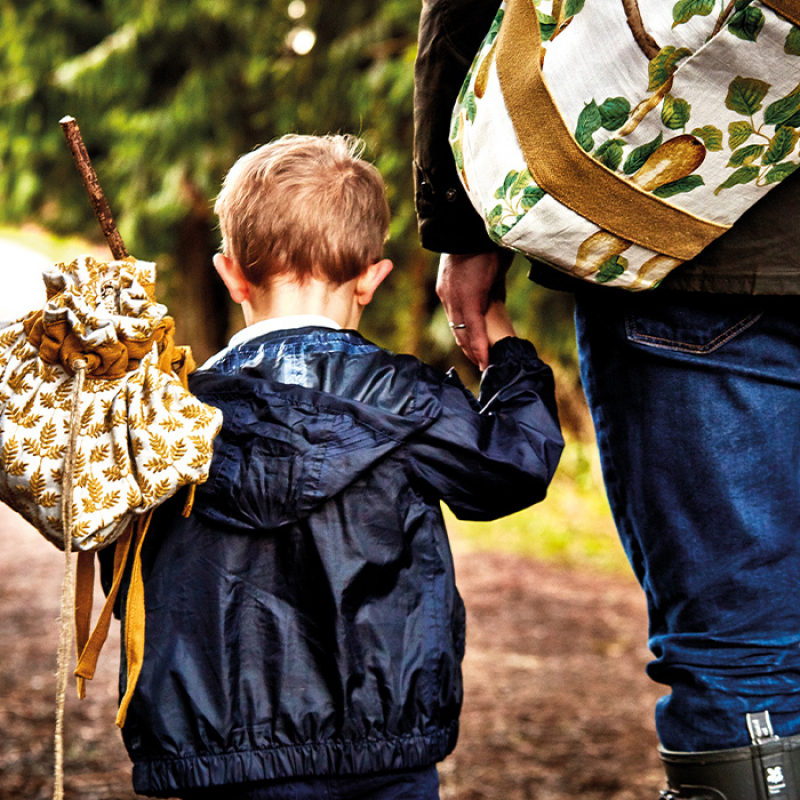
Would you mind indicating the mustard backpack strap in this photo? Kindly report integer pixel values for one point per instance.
(134, 621)
(89, 645)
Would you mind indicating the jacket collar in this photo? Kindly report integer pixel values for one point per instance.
(265, 326)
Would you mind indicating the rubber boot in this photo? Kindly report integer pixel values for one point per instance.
(769, 769)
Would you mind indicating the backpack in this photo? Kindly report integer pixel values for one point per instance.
(97, 428)
(615, 139)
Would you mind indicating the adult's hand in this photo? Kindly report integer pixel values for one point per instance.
(464, 286)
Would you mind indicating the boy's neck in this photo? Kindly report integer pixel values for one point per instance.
(285, 297)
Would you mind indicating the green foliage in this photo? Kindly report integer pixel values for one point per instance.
(780, 146)
(612, 268)
(664, 65)
(684, 10)
(747, 24)
(611, 114)
(589, 122)
(518, 194)
(614, 112)
(762, 163)
(609, 154)
(746, 155)
(573, 7)
(635, 161)
(792, 45)
(739, 177)
(711, 135)
(680, 186)
(572, 527)
(168, 95)
(781, 111)
(780, 171)
(675, 112)
(547, 25)
(745, 95)
(738, 133)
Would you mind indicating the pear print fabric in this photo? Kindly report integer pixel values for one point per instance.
(692, 107)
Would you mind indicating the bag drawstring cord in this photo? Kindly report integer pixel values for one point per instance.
(68, 584)
(89, 644)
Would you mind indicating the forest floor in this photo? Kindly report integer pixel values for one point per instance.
(556, 703)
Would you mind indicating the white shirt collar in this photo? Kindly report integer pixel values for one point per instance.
(265, 326)
(281, 324)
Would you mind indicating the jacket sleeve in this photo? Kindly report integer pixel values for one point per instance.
(493, 457)
(450, 33)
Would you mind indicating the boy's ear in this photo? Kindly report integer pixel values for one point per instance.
(233, 277)
(371, 279)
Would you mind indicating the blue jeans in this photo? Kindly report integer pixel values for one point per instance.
(696, 404)
(410, 784)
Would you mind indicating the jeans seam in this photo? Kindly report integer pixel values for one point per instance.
(687, 347)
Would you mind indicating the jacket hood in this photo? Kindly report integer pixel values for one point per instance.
(286, 447)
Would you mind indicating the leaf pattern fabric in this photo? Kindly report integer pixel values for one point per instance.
(704, 116)
(142, 434)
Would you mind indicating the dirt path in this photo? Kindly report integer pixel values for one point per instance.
(557, 705)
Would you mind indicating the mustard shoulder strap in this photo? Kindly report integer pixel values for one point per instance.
(564, 170)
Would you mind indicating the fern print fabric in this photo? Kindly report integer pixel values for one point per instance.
(141, 434)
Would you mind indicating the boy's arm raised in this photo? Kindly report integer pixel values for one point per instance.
(498, 456)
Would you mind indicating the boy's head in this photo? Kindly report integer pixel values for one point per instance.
(303, 207)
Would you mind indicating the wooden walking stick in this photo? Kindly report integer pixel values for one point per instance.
(118, 251)
(92, 185)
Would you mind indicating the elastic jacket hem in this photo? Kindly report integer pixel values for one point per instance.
(164, 777)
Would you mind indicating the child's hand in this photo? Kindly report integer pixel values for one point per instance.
(498, 322)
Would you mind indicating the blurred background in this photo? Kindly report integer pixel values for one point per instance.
(167, 96)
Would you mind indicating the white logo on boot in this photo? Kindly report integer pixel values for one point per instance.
(775, 779)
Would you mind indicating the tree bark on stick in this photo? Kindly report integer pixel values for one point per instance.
(90, 182)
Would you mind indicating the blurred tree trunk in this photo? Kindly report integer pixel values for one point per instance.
(417, 299)
(199, 299)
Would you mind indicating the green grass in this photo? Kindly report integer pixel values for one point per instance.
(572, 527)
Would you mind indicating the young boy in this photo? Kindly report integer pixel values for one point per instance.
(304, 631)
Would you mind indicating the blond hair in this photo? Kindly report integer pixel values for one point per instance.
(306, 205)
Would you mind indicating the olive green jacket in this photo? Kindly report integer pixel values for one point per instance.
(757, 256)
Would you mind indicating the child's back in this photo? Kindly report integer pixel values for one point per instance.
(303, 624)
(304, 620)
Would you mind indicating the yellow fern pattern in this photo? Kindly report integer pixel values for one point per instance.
(141, 437)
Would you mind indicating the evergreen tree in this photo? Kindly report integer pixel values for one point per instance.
(168, 95)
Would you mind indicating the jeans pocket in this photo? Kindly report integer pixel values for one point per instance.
(697, 325)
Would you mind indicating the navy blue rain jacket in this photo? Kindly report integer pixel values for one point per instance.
(304, 620)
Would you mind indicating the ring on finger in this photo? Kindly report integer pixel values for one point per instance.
(458, 326)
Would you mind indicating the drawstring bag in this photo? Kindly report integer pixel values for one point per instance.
(97, 428)
(615, 139)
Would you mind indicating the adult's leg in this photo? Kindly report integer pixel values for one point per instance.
(696, 404)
